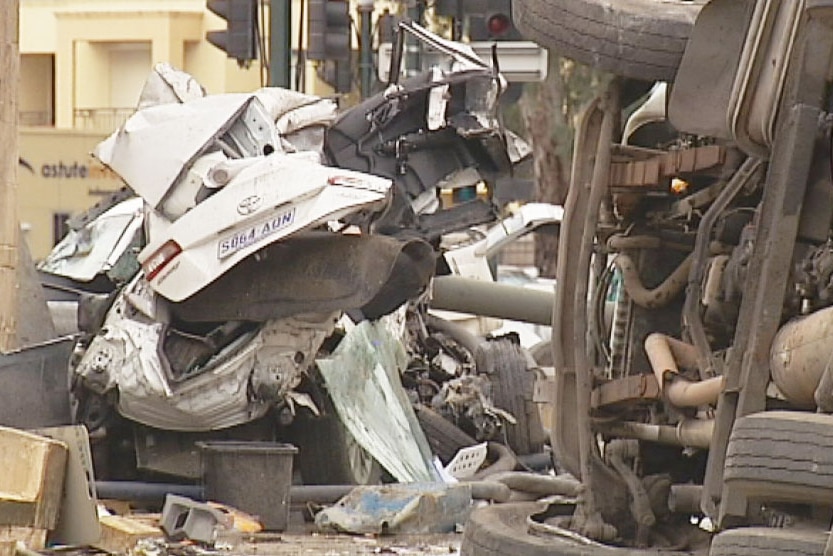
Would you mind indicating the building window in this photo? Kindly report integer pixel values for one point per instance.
(59, 226)
(36, 100)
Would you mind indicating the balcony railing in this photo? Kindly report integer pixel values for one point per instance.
(100, 119)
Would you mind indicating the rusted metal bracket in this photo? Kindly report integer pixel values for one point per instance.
(653, 171)
(631, 388)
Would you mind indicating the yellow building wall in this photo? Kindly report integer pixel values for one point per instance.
(36, 105)
(57, 174)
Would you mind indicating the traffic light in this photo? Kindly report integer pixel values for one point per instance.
(494, 23)
(329, 30)
(239, 40)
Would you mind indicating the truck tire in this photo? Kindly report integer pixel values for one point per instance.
(640, 39)
(513, 384)
(502, 529)
(444, 437)
(766, 541)
(782, 456)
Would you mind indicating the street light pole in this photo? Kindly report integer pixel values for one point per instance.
(280, 37)
(9, 155)
(366, 53)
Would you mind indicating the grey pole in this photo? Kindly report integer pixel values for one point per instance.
(280, 38)
(490, 299)
(366, 53)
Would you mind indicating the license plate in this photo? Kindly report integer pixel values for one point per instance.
(255, 233)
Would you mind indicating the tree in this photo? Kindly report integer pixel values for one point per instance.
(548, 110)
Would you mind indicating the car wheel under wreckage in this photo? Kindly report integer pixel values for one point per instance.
(513, 383)
(641, 39)
(444, 437)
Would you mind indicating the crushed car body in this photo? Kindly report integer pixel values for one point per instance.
(251, 244)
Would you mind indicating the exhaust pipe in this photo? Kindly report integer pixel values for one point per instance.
(665, 354)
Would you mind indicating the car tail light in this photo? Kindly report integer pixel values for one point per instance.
(160, 259)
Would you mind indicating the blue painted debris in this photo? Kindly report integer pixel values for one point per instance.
(399, 508)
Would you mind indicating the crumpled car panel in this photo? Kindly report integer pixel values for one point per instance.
(316, 272)
(277, 196)
(239, 385)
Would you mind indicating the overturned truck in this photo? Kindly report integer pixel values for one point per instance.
(692, 323)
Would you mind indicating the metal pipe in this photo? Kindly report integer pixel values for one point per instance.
(457, 332)
(689, 433)
(684, 393)
(136, 491)
(678, 390)
(536, 462)
(505, 460)
(491, 299)
(685, 499)
(489, 490)
(536, 483)
(659, 296)
(684, 353)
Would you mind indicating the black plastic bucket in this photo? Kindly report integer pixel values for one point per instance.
(251, 476)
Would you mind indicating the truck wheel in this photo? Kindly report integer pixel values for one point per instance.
(328, 454)
(513, 383)
(782, 456)
(444, 437)
(641, 39)
(766, 541)
(503, 529)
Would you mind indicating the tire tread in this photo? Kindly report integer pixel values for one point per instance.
(642, 39)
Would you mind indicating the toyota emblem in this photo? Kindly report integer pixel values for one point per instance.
(249, 205)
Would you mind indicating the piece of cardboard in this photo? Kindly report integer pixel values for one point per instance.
(78, 519)
(32, 482)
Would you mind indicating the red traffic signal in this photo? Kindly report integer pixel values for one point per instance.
(490, 20)
(498, 24)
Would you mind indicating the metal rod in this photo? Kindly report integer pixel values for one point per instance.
(690, 433)
(136, 491)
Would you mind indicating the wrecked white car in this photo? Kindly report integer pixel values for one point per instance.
(268, 226)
